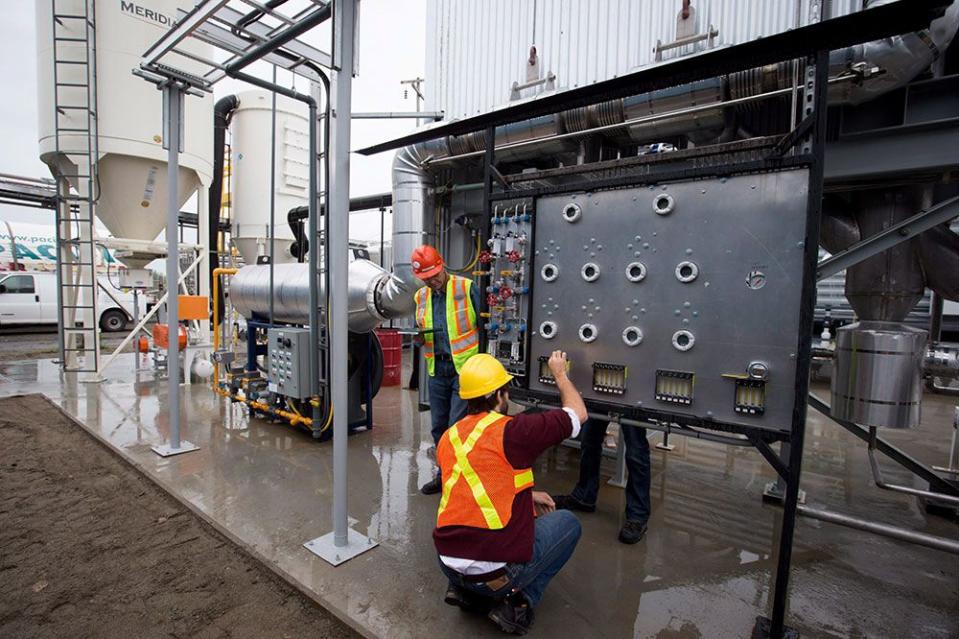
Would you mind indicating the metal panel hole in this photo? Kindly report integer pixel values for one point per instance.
(686, 272)
(590, 271)
(663, 204)
(635, 271)
(548, 330)
(572, 212)
(632, 336)
(683, 340)
(587, 333)
(549, 272)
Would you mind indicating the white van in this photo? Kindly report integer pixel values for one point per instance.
(31, 299)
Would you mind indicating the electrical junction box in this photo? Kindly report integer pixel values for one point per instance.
(680, 299)
(135, 278)
(288, 354)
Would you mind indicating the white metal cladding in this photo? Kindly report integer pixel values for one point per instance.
(476, 49)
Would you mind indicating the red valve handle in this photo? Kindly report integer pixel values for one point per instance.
(485, 257)
(514, 256)
(505, 293)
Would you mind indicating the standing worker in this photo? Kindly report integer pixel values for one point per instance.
(497, 555)
(583, 497)
(446, 312)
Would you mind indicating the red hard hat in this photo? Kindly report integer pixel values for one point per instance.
(426, 262)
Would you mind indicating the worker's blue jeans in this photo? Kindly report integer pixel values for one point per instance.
(637, 467)
(446, 407)
(557, 534)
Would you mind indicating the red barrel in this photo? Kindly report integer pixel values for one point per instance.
(392, 343)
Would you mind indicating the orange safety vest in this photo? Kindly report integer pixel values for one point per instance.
(479, 483)
(460, 322)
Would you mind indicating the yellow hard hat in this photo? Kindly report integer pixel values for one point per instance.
(481, 375)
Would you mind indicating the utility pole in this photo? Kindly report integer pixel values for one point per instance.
(416, 84)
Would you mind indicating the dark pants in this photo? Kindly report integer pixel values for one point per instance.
(555, 540)
(446, 407)
(637, 465)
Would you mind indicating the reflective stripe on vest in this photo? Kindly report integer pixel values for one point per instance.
(460, 321)
(492, 460)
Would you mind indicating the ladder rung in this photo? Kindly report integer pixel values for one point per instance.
(78, 329)
(75, 106)
(73, 129)
(83, 85)
(70, 16)
(84, 62)
(62, 39)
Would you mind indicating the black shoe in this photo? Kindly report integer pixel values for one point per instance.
(568, 502)
(433, 487)
(466, 600)
(513, 615)
(632, 532)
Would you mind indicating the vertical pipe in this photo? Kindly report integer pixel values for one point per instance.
(338, 233)
(136, 343)
(272, 190)
(314, 249)
(172, 97)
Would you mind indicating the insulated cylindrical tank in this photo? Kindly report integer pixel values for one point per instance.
(878, 376)
(131, 192)
(250, 183)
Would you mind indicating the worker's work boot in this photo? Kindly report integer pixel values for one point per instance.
(466, 600)
(433, 486)
(568, 502)
(513, 615)
(632, 532)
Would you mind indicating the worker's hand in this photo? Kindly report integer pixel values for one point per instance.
(557, 364)
(543, 503)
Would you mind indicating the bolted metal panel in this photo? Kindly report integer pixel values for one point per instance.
(722, 258)
(878, 377)
(476, 49)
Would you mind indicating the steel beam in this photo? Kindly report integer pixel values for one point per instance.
(886, 239)
(184, 27)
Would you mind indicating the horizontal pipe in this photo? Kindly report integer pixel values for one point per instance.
(646, 119)
(290, 33)
(916, 492)
(893, 532)
(396, 115)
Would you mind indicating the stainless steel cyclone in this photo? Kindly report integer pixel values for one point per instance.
(878, 377)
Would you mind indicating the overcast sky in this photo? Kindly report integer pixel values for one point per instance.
(391, 49)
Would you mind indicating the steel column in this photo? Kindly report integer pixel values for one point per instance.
(342, 543)
(173, 96)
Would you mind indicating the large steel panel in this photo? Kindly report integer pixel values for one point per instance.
(745, 236)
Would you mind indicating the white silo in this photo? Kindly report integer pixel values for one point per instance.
(132, 189)
(250, 151)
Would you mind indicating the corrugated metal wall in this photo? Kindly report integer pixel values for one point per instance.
(476, 49)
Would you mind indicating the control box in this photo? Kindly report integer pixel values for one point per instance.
(507, 263)
(289, 361)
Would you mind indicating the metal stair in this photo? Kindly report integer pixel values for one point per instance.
(75, 115)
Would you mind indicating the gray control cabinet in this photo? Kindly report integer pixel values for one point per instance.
(683, 298)
(288, 354)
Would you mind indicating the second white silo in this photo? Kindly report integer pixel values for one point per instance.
(250, 184)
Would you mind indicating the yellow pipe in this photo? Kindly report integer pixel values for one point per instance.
(290, 417)
(217, 272)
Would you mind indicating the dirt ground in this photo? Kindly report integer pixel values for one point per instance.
(35, 342)
(90, 548)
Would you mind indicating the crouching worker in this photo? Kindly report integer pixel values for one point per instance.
(497, 553)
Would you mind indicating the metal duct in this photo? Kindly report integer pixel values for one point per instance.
(250, 293)
(887, 286)
(901, 58)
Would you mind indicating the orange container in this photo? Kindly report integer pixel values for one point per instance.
(193, 307)
(160, 335)
(143, 344)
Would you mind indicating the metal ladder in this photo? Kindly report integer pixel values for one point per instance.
(75, 116)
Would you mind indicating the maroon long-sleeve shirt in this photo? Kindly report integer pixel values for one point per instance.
(525, 437)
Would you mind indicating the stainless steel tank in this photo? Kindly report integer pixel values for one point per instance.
(878, 376)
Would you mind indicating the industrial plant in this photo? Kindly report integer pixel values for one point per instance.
(657, 334)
